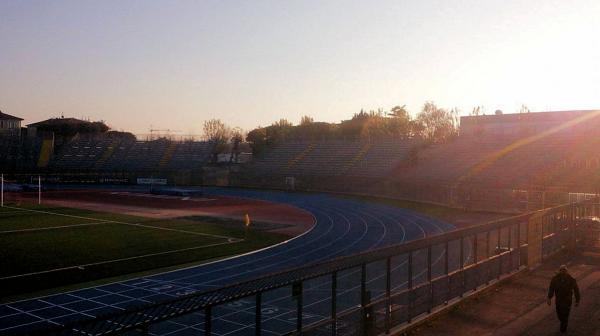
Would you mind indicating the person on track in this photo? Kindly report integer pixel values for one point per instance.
(563, 286)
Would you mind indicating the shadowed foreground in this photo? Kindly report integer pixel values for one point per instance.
(518, 306)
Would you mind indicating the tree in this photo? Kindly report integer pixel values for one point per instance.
(399, 125)
(218, 133)
(283, 123)
(374, 127)
(311, 130)
(69, 127)
(124, 136)
(399, 112)
(279, 131)
(257, 139)
(237, 136)
(437, 124)
(363, 125)
(306, 120)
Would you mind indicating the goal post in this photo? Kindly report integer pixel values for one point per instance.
(18, 189)
(39, 189)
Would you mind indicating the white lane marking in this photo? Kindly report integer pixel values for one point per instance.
(116, 260)
(126, 223)
(55, 227)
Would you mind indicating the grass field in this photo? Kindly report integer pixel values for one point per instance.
(45, 247)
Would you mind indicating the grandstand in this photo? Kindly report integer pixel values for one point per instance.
(82, 153)
(333, 158)
(518, 161)
(105, 154)
(445, 163)
(189, 155)
(536, 152)
(502, 152)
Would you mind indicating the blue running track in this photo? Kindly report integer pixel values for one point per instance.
(343, 226)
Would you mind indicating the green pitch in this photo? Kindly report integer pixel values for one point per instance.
(45, 247)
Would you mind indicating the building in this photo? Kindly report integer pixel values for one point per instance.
(9, 124)
(65, 127)
(525, 124)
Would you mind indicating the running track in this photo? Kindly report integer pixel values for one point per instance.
(343, 227)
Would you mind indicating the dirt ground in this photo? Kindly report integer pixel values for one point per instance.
(296, 221)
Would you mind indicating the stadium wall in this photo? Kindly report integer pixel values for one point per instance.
(473, 197)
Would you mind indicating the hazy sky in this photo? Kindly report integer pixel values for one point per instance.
(173, 64)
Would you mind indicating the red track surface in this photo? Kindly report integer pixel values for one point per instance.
(162, 206)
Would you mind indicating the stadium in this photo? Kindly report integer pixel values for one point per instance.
(312, 229)
(299, 168)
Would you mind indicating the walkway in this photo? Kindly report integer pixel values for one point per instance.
(518, 306)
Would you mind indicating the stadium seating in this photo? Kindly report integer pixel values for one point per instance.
(278, 158)
(452, 162)
(566, 159)
(81, 153)
(333, 158)
(563, 160)
(381, 158)
(189, 155)
(103, 153)
(137, 156)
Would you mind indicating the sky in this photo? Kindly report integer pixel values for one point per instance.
(173, 64)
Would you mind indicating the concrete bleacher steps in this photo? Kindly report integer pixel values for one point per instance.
(110, 149)
(189, 155)
(100, 153)
(299, 158)
(358, 157)
(167, 155)
(332, 158)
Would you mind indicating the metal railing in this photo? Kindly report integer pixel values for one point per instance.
(363, 294)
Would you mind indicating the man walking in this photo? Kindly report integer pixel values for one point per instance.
(563, 285)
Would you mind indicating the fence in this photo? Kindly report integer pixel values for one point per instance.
(368, 293)
(470, 196)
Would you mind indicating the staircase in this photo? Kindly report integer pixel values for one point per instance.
(107, 154)
(167, 155)
(45, 153)
(300, 156)
(359, 156)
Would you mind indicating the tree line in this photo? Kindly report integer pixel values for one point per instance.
(432, 124)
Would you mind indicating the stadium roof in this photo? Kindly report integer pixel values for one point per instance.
(4, 116)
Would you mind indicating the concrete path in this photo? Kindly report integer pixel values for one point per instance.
(518, 306)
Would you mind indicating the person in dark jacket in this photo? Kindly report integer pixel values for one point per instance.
(563, 286)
